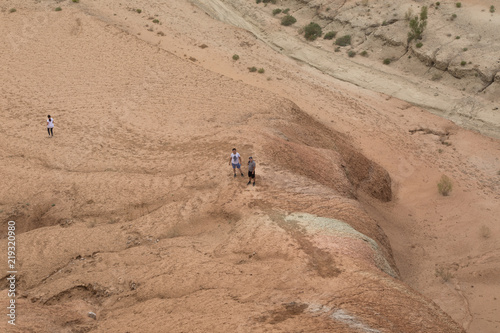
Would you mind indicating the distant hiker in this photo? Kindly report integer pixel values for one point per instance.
(235, 160)
(251, 171)
(50, 125)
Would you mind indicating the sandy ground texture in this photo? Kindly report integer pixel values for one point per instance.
(131, 210)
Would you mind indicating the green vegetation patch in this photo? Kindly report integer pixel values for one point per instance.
(343, 41)
(288, 20)
(312, 31)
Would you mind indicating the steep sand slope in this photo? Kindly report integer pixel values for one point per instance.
(152, 232)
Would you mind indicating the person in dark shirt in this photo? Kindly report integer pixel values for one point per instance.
(251, 170)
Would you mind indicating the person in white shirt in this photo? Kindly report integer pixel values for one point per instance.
(50, 126)
(235, 160)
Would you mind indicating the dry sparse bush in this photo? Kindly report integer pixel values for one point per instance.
(58, 9)
(276, 11)
(236, 57)
(387, 61)
(485, 232)
(444, 274)
(408, 14)
(445, 185)
(351, 54)
(492, 9)
(436, 77)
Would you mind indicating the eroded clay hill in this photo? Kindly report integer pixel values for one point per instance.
(131, 211)
(453, 71)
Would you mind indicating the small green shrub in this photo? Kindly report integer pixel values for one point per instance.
(492, 9)
(343, 41)
(76, 1)
(312, 31)
(330, 35)
(156, 21)
(337, 49)
(419, 45)
(276, 11)
(438, 3)
(286, 11)
(258, 1)
(12, 10)
(364, 54)
(138, 11)
(58, 9)
(464, 49)
(351, 54)
(445, 186)
(261, 71)
(288, 20)
(457, 37)
(387, 61)
(235, 57)
(463, 63)
(453, 16)
(252, 69)
(458, 4)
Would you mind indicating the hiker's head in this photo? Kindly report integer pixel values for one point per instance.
(234, 150)
(48, 116)
(250, 159)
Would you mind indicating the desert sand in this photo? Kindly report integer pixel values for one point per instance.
(131, 210)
